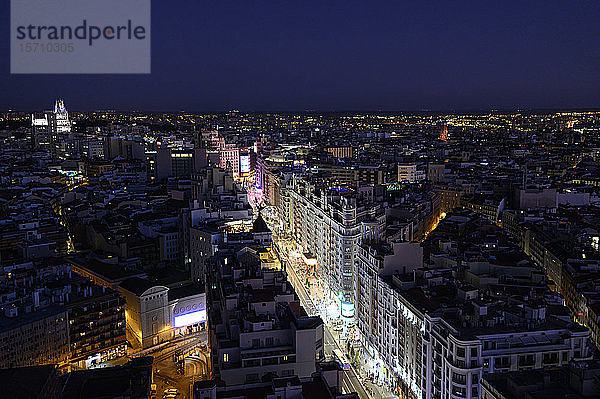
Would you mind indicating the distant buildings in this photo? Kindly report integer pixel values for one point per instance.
(50, 128)
(326, 383)
(35, 338)
(444, 132)
(409, 172)
(175, 162)
(460, 268)
(341, 152)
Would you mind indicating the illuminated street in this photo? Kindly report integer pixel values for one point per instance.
(315, 300)
(178, 364)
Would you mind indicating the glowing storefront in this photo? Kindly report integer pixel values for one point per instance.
(157, 313)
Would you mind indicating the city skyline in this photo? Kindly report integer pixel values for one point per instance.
(319, 200)
(353, 255)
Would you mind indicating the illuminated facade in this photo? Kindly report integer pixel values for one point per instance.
(258, 327)
(230, 158)
(444, 132)
(330, 224)
(156, 313)
(390, 328)
(408, 172)
(48, 128)
(428, 345)
(60, 122)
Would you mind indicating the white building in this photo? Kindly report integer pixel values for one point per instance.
(257, 326)
(156, 313)
(330, 225)
(433, 339)
(230, 158)
(408, 172)
(390, 327)
(60, 121)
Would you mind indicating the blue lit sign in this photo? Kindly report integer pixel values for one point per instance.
(244, 163)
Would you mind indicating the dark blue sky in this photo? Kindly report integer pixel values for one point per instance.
(347, 55)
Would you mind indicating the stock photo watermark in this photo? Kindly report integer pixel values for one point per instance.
(80, 36)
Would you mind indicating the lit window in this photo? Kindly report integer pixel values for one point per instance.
(225, 357)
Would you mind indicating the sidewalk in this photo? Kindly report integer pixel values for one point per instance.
(320, 301)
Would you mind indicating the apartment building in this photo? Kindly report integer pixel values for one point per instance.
(330, 223)
(433, 331)
(96, 325)
(34, 338)
(409, 172)
(40, 298)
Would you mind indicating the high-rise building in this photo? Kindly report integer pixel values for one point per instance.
(330, 224)
(49, 127)
(60, 121)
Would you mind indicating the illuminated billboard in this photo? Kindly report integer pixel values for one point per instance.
(245, 163)
(183, 320)
(347, 309)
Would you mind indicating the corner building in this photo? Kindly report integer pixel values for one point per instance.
(329, 223)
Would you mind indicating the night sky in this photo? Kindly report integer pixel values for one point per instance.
(348, 55)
